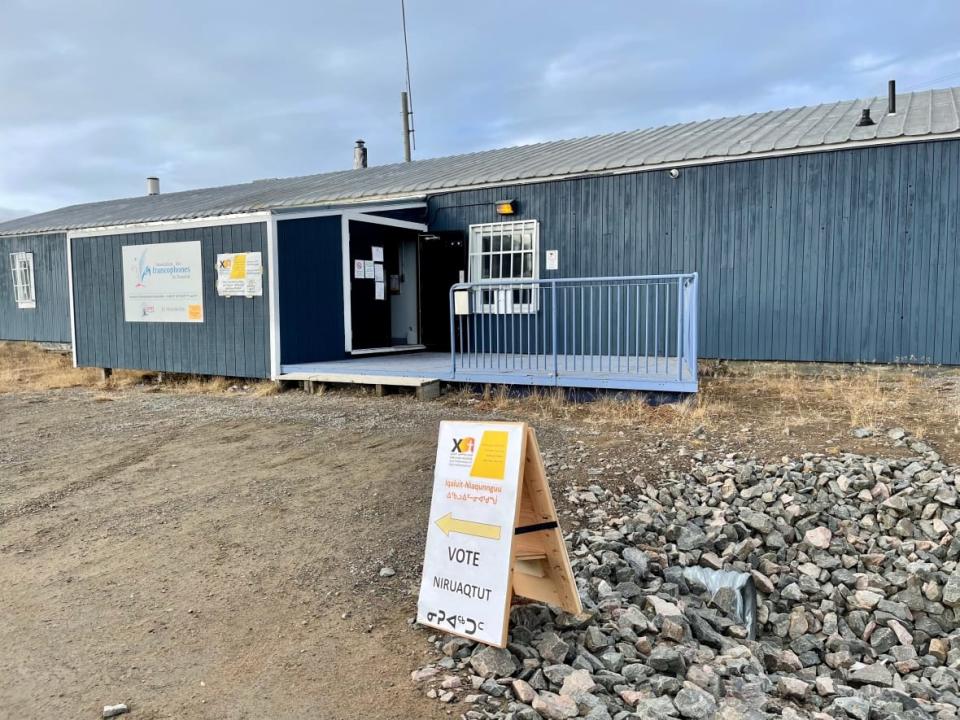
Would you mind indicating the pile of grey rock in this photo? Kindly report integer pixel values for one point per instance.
(855, 564)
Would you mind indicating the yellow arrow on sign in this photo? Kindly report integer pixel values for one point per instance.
(449, 524)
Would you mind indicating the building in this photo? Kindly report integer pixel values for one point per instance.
(824, 233)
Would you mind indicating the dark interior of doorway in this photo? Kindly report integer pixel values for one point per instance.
(443, 263)
(372, 316)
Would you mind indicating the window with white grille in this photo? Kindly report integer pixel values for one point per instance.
(506, 251)
(21, 265)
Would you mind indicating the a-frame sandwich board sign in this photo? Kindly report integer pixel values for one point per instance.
(493, 532)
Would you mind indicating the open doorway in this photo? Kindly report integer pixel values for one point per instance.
(443, 263)
(383, 288)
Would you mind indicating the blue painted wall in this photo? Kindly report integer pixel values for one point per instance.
(233, 339)
(49, 321)
(310, 259)
(837, 256)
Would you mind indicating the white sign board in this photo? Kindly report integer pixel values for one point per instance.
(377, 253)
(553, 259)
(465, 588)
(163, 282)
(358, 269)
(240, 274)
(461, 302)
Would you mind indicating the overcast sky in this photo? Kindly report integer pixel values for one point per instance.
(97, 94)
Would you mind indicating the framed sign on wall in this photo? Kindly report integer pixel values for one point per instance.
(163, 282)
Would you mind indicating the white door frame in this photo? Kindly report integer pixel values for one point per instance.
(345, 219)
(273, 286)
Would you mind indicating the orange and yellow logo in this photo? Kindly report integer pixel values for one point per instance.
(464, 445)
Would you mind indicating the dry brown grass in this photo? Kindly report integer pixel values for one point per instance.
(625, 408)
(211, 385)
(872, 397)
(833, 399)
(766, 399)
(264, 388)
(769, 399)
(26, 366)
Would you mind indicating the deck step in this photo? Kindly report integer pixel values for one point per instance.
(360, 379)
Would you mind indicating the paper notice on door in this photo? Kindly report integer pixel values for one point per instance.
(378, 272)
(358, 269)
(380, 291)
(377, 253)
(368, 269)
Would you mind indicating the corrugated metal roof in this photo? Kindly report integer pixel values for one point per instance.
(919, 114)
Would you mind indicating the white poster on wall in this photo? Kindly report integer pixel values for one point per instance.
(240, 274)
(163, 282)
(553, 259)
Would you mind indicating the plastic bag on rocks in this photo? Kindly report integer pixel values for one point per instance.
(745, 607)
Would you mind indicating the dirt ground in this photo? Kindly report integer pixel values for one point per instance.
(197, 551)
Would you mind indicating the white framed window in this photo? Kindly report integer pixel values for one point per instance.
(506, 251)
(24, 292)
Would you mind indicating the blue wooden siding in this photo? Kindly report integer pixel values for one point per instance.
(836, 256)
(233, 339)
(49, 321)
(310, 260)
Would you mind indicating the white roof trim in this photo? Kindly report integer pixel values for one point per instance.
(161, 225)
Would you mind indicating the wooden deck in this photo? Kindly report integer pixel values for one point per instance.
(423, 368)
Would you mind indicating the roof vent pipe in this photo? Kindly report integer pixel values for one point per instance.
(153, 186)
(359, 155)
(892, 97)
(865, 119)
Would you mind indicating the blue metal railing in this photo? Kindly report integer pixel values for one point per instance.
(641, 327)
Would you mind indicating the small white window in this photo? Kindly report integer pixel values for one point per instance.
(506, 251)
(21, 265)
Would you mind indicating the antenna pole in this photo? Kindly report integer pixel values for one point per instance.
(410, 132)
(405, 114)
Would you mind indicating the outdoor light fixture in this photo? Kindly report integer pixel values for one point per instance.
(507, 207)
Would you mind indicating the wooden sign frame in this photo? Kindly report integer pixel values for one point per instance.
(531, 558)
(541, 568)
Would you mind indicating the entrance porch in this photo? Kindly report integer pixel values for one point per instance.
(423, 368)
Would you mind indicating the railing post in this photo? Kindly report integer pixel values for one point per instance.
(553, 339)
(692, 346)
(453, 333)
(681, 318)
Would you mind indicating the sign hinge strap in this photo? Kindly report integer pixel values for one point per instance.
(534, 528)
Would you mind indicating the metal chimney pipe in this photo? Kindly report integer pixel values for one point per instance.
(892, 97)
(359, 155)
(405, 114)
(865, 118)
(153, 186)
